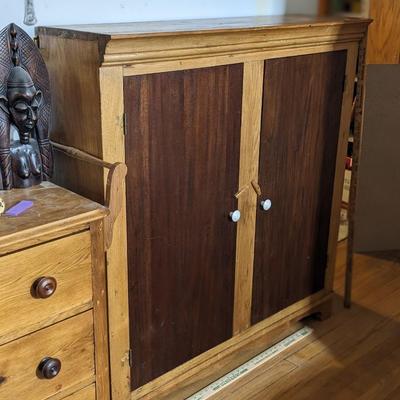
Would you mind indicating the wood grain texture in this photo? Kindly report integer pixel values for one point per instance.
(68, 260)
(142, 44)
(70, 341)
(211, 365)
(261, 54)
(88, 393)
(247, 195)
(137, 53)
(171, 51)
(115, 199)
(297, 166)
(181, 27)
(343, 142)
(56, 211)
(182, 153)
(71, 93)
(114, 189)
(384, 32)
(113, 139)
(354, 355)
(357, 134)
(99, 281)
(257, 380)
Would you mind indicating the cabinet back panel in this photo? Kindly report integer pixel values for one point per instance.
(299, 136)
(182, 151)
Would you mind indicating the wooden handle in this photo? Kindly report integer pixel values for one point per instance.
(114, 190)
(81, 155)
(114, 199)
(49, 368)
(44, 287)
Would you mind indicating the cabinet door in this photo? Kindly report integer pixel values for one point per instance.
(182, 152)
(298, 145)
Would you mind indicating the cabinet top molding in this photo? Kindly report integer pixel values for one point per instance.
(146, 42)
(138, 44)
(195, 26)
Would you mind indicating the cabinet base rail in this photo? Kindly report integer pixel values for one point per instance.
(199, 372)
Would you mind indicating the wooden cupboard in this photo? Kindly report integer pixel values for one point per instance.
(234, 132)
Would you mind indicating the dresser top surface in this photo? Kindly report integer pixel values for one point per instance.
(53, 207)
(193, 26)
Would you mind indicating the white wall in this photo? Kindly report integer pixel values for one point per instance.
(56, 12)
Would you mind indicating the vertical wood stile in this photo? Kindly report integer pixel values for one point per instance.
(345, 120)
(100, 311)
(358, 129)
(247, 196)
(112, 110)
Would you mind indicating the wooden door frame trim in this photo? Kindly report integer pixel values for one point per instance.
(100, 328)
(178, 46)
(113, 145)
(345, 119)
(358, 132)
(213, 61)
(253, 76)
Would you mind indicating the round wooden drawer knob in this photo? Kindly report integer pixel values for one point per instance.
(44, 287)
(49, 368)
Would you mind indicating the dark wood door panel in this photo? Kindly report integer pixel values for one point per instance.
(299, 136)
(182, 152)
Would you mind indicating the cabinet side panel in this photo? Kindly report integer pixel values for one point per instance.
(299, 136)
(182, 152)
(73, 67)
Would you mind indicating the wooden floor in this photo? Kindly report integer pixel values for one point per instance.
(353, 355)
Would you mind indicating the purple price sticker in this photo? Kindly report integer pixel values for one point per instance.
(19, 208)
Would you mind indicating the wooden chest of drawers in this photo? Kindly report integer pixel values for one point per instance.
(53, 331)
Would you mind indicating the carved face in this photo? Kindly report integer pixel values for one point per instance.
(23, 104)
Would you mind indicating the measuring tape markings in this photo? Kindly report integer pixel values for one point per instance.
(251, 364)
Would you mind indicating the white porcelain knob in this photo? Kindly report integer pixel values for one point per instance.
(235, 215)
(266, 204)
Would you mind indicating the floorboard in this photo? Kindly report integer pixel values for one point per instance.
(355, 354)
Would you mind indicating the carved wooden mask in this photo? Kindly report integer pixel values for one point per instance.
(23, 75)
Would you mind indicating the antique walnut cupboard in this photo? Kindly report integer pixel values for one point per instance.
(211, 117)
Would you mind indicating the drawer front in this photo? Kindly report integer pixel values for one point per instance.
(65, 261)
(70, 341)
(89, 393)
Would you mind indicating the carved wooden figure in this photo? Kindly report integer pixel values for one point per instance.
(25, 151)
